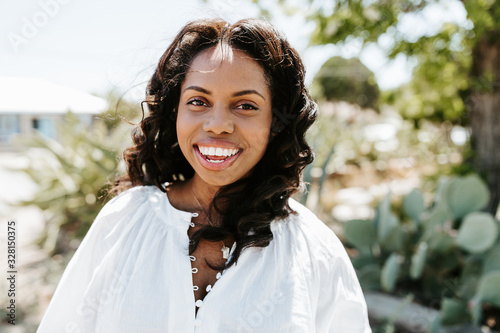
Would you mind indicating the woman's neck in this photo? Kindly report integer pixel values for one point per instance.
(192, 195)
(202, 192)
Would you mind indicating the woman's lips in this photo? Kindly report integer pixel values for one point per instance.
(216, 158)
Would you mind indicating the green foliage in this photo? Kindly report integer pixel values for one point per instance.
(390, 272)
(342, 141)
(439, 77)
(453, 311)
(361, 234)
(477, 233)
(347, 80)
(488, 290)
(441, 55)
(121, 111)
(71, 174)
(418, 261)
(466, 195)
(449, 251)
(413, 205)
(443, 58)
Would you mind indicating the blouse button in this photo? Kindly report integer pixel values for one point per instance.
(199, 303)
(218, 275)
(194, 214)
(209, 287)
(194, 270)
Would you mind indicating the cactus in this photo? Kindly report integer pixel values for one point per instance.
(466, 195)
(418, 261)
(386, 221)
(413, 205)
(361, 234)
(448, 252)
(390, 272)
(454, 311)
(477, 233)
(488, 289)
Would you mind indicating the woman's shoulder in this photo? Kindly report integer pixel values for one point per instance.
(304, 229)
(134, 193)
(132, 199)
(129, 206)
(144, 205)
(135, 209)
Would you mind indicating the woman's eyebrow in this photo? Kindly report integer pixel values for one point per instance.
(239, 93)
(248, 92)
(200, 89)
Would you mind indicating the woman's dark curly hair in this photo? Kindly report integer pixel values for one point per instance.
(247, 207)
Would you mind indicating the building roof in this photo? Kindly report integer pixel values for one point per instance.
(30, 95)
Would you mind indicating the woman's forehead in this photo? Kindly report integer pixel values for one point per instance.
(213, 57)
(226, 71)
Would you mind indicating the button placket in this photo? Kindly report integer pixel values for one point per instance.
(199, 304)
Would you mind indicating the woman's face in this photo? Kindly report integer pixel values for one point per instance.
(224, 115)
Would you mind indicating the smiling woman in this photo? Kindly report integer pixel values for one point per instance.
(204, 235)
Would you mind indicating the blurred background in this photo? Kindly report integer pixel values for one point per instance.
(407, 168)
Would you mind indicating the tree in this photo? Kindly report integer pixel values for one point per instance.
(347, 80)
(457, 72)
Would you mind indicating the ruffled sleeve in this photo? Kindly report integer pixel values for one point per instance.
(341, 304)
(66, 312)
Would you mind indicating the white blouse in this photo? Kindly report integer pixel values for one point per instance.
(132, 273)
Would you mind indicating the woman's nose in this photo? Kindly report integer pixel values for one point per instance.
(219, 120)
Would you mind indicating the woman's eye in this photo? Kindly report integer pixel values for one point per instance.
(196, 102)
(247, 106)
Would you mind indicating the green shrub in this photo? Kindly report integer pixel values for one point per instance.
(72, 174)
(347, 80)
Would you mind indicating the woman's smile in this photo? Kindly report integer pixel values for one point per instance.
(216, 157)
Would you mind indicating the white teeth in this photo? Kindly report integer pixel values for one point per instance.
(215, 161)
(212, 151)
